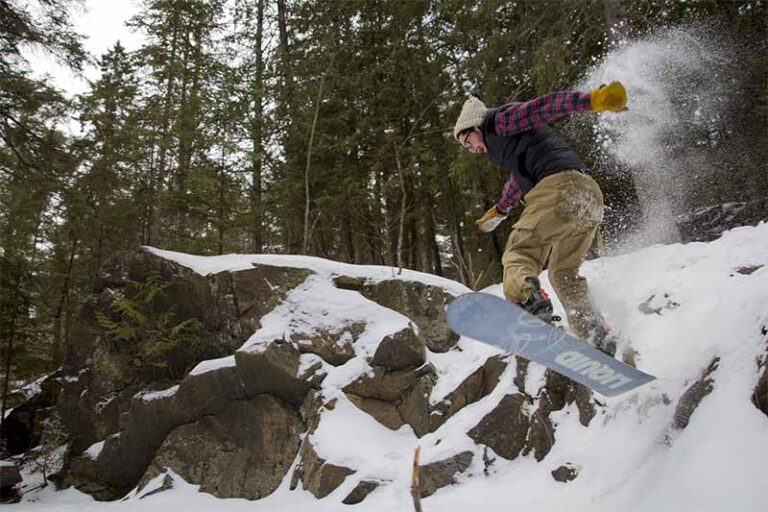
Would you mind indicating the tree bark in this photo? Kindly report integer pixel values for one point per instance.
(456, 240)
(165, 137)
(257, 130)
(11, 308)
(403, 204)
(282, 26)
(58, 337)
(434, 259)
(307, 191)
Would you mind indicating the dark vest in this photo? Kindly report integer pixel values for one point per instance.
(531, 155)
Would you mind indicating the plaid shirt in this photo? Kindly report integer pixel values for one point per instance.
(519, 117)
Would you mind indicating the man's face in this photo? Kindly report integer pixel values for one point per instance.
(473, 141)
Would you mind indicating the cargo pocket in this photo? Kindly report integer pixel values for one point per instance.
(527, 222)
(522, 232)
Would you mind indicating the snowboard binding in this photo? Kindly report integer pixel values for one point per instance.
(539, 304)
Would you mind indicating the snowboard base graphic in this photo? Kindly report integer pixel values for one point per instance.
(500, 323)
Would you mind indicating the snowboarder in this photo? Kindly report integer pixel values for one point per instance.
(563, 204)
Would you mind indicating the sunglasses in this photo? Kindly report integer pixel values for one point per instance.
(466, 143)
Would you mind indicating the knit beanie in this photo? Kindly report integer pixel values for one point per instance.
(472, 114)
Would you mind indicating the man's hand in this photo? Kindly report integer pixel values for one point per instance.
(612, 97)
(490, 220)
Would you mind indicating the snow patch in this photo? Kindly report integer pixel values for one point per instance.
(213, 364)
(628, 457)
(94, 450)
(148, 396)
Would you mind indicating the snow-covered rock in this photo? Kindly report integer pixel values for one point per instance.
(499, 433)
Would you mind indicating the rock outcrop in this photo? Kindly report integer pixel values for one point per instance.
(694, 395)
(505, 428)
(204, 383)
(422, 303)
(439, 474)
(243, 451)
(10, 477)
(760, 395)
(21, 427)
(708, 223)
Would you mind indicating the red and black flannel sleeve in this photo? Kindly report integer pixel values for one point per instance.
(519, 117)
(510, 196)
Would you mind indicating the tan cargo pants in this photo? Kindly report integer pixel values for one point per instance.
(559, 222)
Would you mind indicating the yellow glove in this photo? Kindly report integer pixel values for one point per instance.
(612, 97)
(490, 220)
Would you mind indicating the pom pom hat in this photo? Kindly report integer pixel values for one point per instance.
(472, 114)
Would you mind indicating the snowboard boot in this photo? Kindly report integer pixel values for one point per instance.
(600, 337)
(538, 303)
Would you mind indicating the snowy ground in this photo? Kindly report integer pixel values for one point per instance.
(629, 458)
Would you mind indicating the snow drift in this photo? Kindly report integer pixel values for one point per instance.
(697, 438)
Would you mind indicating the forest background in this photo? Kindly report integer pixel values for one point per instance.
(311, 127)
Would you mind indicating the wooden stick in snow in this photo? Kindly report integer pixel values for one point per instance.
(415, 487)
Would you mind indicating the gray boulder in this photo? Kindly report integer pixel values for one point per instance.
(208, 392)
(565, 473)
(414, 406)
(694, 395)
(400, 350)
(335, 348)
(708, 223)
(257, 291)
(442, 473)
(21, 426)
(395, 398)
(244, 451)
(505, 428)
(422, 303)
(113, 470)
(476, 386)
(273, 368)
(387, 386)
(558, 392)
(760, 395)
(101, 374)
(361, 491)
(10, 477)
(319, 476)
(385, 413)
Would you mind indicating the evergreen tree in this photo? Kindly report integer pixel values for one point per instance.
(180, 62)
(303, 126)
(34, 163)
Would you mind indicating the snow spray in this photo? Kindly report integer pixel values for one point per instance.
(676, 81)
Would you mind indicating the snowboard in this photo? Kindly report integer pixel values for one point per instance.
(500, 323)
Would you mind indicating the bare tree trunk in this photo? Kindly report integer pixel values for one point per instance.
(257, 123)
(282, 29)
(307, 191)
(7, 375)
(10, 336)
(222, 215)
(403, 203)
(377, 226)
(165, 140)
(414, 259)
(58, 337)
(456, 239)
(389, 222)
(433, 252)
(148, 187)
(347, 240)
